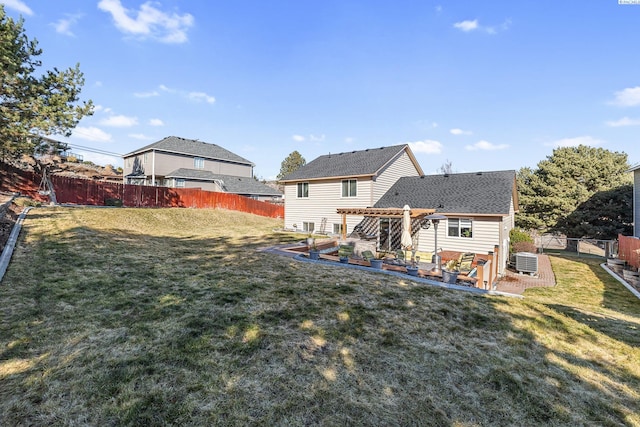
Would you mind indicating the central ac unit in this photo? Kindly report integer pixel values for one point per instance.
(526, 262)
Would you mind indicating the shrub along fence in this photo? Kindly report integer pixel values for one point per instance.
(629, 250)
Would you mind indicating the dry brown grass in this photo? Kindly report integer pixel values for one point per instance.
(172, 317)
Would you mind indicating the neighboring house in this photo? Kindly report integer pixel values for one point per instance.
(240, 185)
(636, 199)
(479, 207)
(343, 180)
(187, 163)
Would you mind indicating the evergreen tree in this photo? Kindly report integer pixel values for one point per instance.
(564, 181)
(292, 163)
(33, 103)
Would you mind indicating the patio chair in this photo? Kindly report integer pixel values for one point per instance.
(345, 251)
(368, 255)
(357, 230)
(398, 259)
(465, 261)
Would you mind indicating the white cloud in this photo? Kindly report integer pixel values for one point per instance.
(298, 138)
(100, 159)
(119, 121)
(316, 138)
(149, 22)
(427, 146)
(192, 96)
(628, 97)
(91, 133)
(140, 136)
(146, 94)
(156, 122)
(18, 6)
(460, 132)
(574, 142)
(486, 146)
(625, 121)
(466, 26)
(201, 96)
(63, 26)
(349, 140)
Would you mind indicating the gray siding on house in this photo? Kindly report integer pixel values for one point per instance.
(168, 162)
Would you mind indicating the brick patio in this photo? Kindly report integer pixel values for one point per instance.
(516, 283)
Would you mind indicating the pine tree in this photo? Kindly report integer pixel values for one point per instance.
(33, 103)
(292, 163)
(565, 180)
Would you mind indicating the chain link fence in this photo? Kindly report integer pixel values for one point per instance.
(577, 247)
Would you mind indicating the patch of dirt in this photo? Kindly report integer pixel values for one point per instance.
(8, 216)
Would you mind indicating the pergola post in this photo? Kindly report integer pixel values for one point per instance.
(344, 226)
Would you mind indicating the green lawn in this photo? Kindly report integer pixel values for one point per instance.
(172, 317)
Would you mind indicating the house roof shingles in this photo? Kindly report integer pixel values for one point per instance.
(354, 163)
(231, 184)
(464, 193)
(175, 144)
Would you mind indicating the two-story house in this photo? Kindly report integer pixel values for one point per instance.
(353, 179)
(187, 163)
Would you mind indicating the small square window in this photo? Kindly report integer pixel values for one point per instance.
(198, 163)
(309, 227)
(349, 188)
(303, 189)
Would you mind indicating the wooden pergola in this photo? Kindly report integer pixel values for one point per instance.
(380, 213)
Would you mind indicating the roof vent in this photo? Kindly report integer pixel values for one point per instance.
(478, 173)
(446, 175)
(421, 176)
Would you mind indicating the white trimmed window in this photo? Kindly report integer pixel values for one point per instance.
(179, 183)
(459, 227)
(349, 188)
(198, 163)
(303, 189)
(337, 228)
(309, 227)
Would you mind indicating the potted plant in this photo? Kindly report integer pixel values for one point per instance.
(314, 253)
(450, 276)
(310, 240)
(377, 261)
(412, 270)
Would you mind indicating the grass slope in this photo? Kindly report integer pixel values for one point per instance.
(172, 317)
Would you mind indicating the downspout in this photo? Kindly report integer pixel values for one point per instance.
(153, 167)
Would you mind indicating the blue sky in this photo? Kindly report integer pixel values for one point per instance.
(485, 85)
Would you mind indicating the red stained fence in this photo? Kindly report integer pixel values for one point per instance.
(88, 192)
(629, 250)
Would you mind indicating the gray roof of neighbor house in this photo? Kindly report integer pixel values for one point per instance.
(458, 193)
(190, 147)
(367, 162)
(229, 183)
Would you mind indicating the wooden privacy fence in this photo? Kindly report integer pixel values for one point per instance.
(629, 250)
(87, 192)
